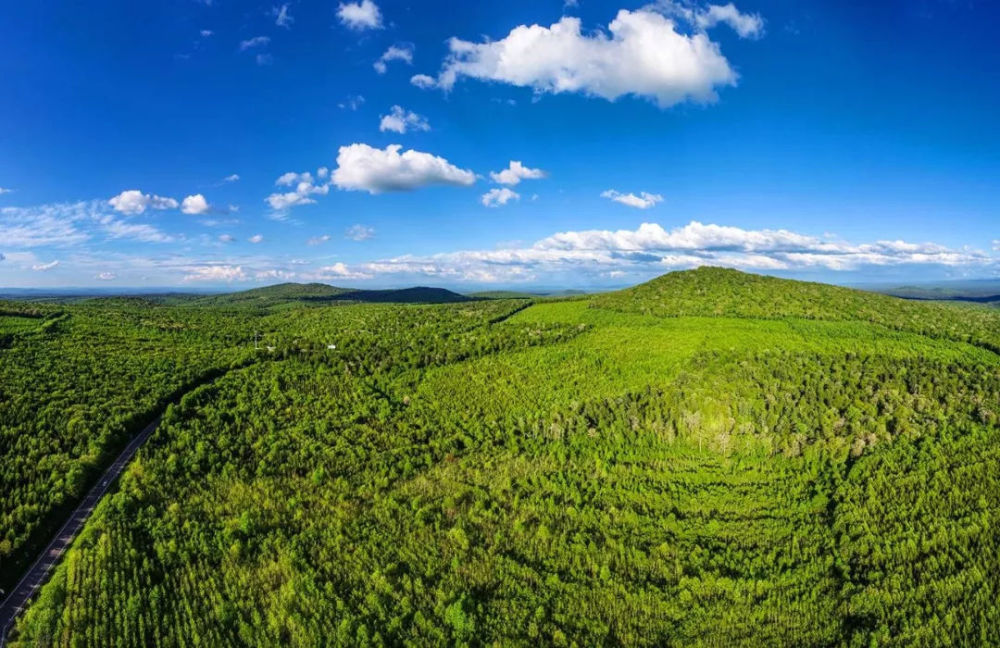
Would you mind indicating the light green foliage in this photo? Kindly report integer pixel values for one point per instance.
(561, 473)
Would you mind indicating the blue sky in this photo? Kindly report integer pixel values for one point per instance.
(513, 144)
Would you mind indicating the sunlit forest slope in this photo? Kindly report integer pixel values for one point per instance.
(708, 459)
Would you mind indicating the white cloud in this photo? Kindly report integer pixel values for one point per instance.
(205, 33)
(256, 238)
(106, 276)
(360, 15)
(42, 267)
(423, 81)
(496, 197)
(746, 25)
(318, 240)
(227, 238)
(644, 200)
(143, 232)
(4, 190)
(264, 59)
(340, 271)
(232, 178)
(195, 205)
(996, 245)
(305, 186)
(58, 224)
(134, 201)
(642, 54)
(283, 275)
(515, 172)
(214, 273)
(650, 249)
(359, 232)
(256, 41)
(281, 16)
(400, 120)
(394, 53)
(363, 168)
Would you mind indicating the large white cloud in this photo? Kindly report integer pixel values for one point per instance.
(643, 53)
(644, 200)
(360, 15)
(134, 201)
(650, 249)
(399, 120)
(363, 168)
(515, 172)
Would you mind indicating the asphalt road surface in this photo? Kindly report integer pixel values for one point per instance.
(39, 572)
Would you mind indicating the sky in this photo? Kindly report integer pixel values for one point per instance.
(224, 144)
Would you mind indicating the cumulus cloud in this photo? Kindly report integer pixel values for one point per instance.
(363, 168)
(643, 53)
(42, 267)
(195, 205)
(305, 187)
(232, 178)
(134, 202)
(227, 238)
(281, 16)
(205, 33)
(214, 273)
(644, 200)
(256, 41)
(497, 197)
(340, 271)
(318, 240)
(515, 172)
(651, 249)
(106, 276)
(400, 120)
(360, 15)
(402, 53)
(256, 238)
(359, 232)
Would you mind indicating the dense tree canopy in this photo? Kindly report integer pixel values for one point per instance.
(639, 469)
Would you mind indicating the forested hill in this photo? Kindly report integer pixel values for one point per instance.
(721, 292)
(297, 293)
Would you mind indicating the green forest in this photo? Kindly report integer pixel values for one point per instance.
(712, 458)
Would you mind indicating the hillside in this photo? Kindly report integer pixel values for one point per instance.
(317, 293)
(716, 292)
(271, 295)
(416, 295)
(712, 458)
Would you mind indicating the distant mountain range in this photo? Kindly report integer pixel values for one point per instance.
(278, 294)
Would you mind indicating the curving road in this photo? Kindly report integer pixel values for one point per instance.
(39, 572)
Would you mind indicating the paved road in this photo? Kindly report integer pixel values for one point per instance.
(40, 571)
